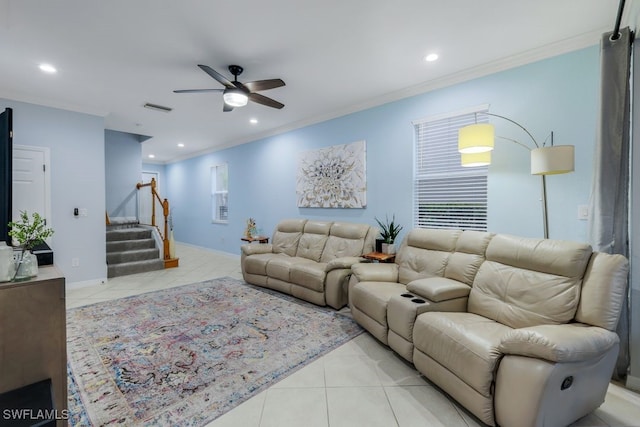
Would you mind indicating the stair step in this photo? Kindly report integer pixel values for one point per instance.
(125, 245)
(123, 269)
(128, 234)
(132, 255)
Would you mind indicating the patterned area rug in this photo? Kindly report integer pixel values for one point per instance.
(184, 356)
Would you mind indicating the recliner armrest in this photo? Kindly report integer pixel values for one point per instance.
(571, 342)
(262, 248)
(343, 262)
(370, 272)
(438, 289)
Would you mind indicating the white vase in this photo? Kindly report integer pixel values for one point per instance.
(388, 248)
(26, 266)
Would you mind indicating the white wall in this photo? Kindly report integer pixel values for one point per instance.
(76, 143)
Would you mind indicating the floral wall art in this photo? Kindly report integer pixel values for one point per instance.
(333, 177)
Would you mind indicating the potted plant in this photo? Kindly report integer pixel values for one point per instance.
(26, 234)
(389, 230)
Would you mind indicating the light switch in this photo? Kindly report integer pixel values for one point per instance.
(583, 212)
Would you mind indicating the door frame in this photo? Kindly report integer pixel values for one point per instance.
(47, 179)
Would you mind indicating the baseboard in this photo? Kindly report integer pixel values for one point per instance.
(86, 283)
(633, 383)
(204, 248)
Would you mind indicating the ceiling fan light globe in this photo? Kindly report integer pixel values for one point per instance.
(235, 98)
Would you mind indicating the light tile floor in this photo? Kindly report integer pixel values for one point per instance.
(361, 383)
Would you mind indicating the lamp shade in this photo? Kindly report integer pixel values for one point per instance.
(235, 97)
(552, 160)
(470, 160)
(476, 138)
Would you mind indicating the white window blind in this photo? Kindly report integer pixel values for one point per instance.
(447, 195)
(220, 193)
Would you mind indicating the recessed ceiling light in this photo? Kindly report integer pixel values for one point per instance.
(253, 121)
(152, 156)
(180, 144)
(431, 57)
(47, 68)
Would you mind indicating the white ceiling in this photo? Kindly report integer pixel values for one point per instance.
(336, 56)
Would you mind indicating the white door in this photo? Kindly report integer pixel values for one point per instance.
(30, 181)
(145, 200)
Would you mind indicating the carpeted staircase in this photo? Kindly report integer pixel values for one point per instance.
(131, 249)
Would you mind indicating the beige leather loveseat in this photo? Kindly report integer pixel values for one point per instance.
(309, 259)
(518, 330)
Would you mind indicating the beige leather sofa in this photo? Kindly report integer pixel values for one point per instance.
(309, 259)
(520, 331)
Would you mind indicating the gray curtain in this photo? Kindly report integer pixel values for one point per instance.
(609, 229)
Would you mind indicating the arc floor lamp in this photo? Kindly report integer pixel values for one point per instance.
(475, 143)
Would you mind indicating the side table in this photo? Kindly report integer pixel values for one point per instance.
(259, 239)
(380, 257)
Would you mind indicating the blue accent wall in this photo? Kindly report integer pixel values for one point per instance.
(558, 94)
(123, 168)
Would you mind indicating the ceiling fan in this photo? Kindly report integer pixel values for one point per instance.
(237, 94)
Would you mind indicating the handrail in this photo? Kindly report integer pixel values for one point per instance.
(165, 211)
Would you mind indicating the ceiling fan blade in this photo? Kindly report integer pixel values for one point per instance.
(197, 90)
(263, 85)
(261, 99)
(216, 75)
(227, 108)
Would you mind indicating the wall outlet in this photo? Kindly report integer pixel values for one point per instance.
(75, 262)
(583, 212)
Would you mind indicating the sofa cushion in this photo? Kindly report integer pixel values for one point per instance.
(287, 235)
(470, 251)
(438, 289)
(257, 264)
(528, 282)
(309, 274)
(313, 240)
(279, 267)
(372, 298)
(345, 240)
(465, 344)
(562, 258)
(425, 253)
(601, 305)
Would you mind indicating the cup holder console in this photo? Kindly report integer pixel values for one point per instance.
(407, 295)
(418, 301)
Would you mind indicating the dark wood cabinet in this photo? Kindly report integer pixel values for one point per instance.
(33, 335)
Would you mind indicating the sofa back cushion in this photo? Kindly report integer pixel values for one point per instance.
(345, 239)
(603, 290)
(424, 253)
(287, 235)
(528, 282)
(469, 254)
(313, 239)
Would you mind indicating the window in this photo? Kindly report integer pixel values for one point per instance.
(447, 195)
(220, 193)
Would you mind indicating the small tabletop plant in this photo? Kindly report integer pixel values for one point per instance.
(29, 232)
(389, 230)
